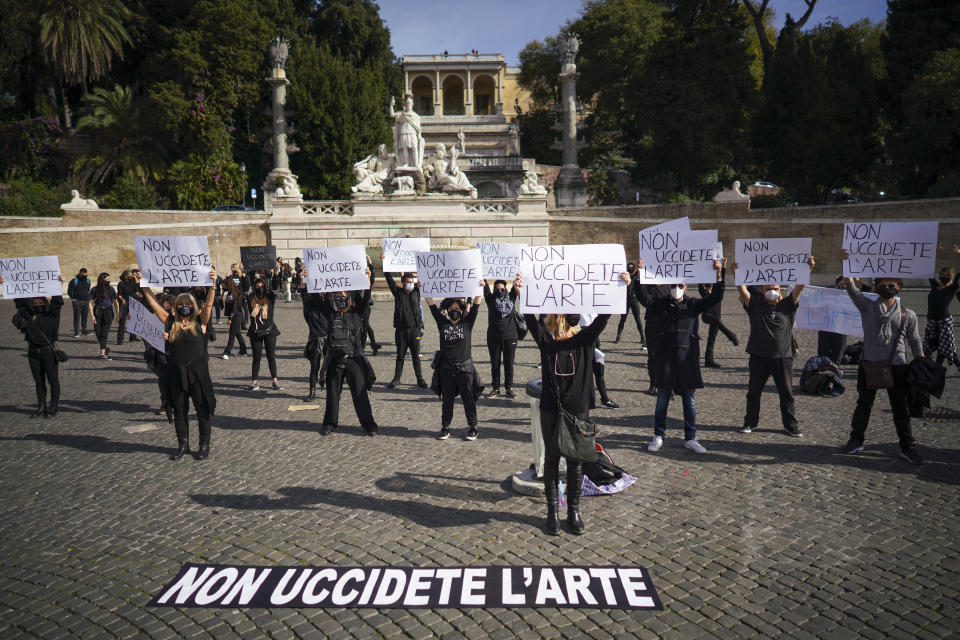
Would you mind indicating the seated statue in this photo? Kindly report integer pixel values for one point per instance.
(443, 174)
(373, 171)
(531, 185)
(288, 188)
(79, 202)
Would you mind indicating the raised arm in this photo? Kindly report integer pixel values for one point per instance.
(797, 290)
(716, 294)
(641, 291)
(860, 301)
(742, 291)
(155, 306)
(394, 289)
(208, 303)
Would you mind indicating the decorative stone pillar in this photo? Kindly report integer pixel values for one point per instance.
(570, 187)
(280, 188)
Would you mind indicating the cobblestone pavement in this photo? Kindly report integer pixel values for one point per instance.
(763, 535)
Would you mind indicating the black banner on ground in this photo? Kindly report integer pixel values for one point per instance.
(259, 258)
(231, 586)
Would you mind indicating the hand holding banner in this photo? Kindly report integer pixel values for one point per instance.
(671, 254)
(890, 249)
(336, 269)
(773, 261)
(173, 261)
(501, 260)
(574, 278)
(398, 253)
(32, 277)
(450, 274)
(141, 322)
(258, 258)
(826, 309)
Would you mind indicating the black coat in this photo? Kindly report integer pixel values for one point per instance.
(676, 343)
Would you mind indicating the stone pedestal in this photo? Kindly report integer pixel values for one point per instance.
(570, 189)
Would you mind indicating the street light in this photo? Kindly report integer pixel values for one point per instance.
(243, 182)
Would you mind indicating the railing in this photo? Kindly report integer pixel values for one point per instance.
(456, 57)
(492, 206)
(328, 208)
(492, 162)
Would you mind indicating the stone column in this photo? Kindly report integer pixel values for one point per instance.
(570, 187)
(281, 194)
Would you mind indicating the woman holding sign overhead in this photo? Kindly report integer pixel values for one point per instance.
(188, 375)
(501, 335)
(263, 331)
(566, 364)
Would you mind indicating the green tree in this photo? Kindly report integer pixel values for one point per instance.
(203, 182)
(130, 193)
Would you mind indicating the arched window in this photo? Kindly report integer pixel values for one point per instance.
(484, 96)
(453, 96)
(422, 89)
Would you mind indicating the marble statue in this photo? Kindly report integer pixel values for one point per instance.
(531, 184)
(443, 175)
(569, 45)
(514, 141)
(288, 188)
(78, 202)
(407, 138)
(279, 51)
(373, 171)
(462, 140)
(731, 195)
(403, 185)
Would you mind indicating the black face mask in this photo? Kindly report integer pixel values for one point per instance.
(573, 319)
(502, 293)
(185, 311)
(340, 302)
(260, 291)
(945, 279)
(631, 268)
(454, 314)
(887, 291)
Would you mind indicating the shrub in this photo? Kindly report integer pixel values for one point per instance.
(29, 197)
(129, 193)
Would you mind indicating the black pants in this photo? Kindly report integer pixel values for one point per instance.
(716, 326)
(600, 379)
(831, 345)
(104, 322)
(651, 357)
(122, 322)
(452, 384)
(258, 343)
(348, 369)
(80, 312)
(163, 375)
(45, 368)
(898, 395)
(634, 307)
(551, 460)
(318, 369)
(506, 349)
(217, 306)
(245, 310)
(180, 400)
(367, 329)
(760, 371)
(408, 339)
(236, 333)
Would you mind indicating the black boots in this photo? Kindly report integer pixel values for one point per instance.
(312, 395)
(574, 482)
(183, 446)
(51, 410)
(41, 410)
(203, 452)
(551, 471)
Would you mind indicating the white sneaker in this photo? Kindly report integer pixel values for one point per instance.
(655, 444)
(693, 445)
(225, 357)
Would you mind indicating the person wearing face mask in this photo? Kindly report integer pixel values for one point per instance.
(103, 309)
(242, 280)
(367, 329)
(407, 324)
(454, 372)
(501, 335)
(263, 330)
(234, 302)
(127, 288)
(677, 347)
(770, 346)
(157, 361)
(712, 318)
(938, 334)
(633, 306)
(188, 374)
(566, 365)
(888, 327)
(316, 309)
(39, 320)
(345, 360)
(832, 344)
(79, 292)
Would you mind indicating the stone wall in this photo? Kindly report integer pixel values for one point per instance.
(735, 220)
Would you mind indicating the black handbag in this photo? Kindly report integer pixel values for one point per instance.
(521, 325)
(58, 354)
(576, 438)
(878, 374)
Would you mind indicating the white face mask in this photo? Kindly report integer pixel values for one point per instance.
(408, 286)
(676, 292)
(772, 295)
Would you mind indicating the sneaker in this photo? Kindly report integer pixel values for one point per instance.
(852, 446)
(655, 444)
(746, 429)
(493, 394)
(422, 383)
(76, 335)
(105, 357)
(643, 347)
(107, 351)
(910, 455)
(276, 386)
(444, 433)
(253, 387)
(225, 356)
(695, 446)
(509, 393)
(472, 433)
(610, 404)
(793, 431)
(393, 384)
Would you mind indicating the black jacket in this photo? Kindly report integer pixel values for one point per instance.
(406, 306)
(714, 313)
(79, 289)
(40, 330)
(501, 315)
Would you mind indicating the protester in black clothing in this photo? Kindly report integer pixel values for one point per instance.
(39, 320)
(157, 361)
(938, 334)
(316, 308)
(832, 344)
(345, 360)
(653, 292)
(633, 306)
(263, 331)
(240, 278)
(188, 374)
(103, 309)
(566, 357)
(599, 370)
(234, 303)
(128, 287)
(501, 335)
(407, 324)
(367, 329)
(218, 299)
(455, 374)
(771, 350)
(712, 318)
(79, 292)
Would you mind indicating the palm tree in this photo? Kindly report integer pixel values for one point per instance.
(122, 142)
(79, 38)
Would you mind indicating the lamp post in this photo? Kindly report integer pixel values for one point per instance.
(243, 182)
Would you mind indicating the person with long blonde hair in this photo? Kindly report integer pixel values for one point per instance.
(188, 374)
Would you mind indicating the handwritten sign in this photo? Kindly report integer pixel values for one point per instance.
(826, 309)
(773, 261)
(501, 260)
(336, 269)
(890, 249)
(173, 261)
(399, 254)
(676, 255)
(449, 274)
(259, 258)
(33, 277)
(573, 278)
(142, 322)
(718, 251)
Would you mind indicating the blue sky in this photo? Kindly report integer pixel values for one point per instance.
(505, 26)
